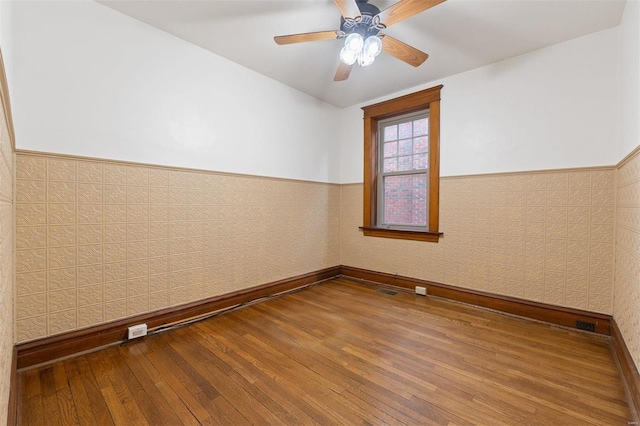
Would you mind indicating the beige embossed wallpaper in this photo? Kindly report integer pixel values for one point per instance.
(98, 241)
(6, 264)
(545, 236)
(627, 300)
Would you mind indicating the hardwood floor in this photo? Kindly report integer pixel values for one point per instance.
(338, 353)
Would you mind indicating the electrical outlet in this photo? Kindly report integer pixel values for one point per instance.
(583, 325)
(136, 331)
(422, 291)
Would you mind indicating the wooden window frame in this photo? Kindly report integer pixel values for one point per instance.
(428, 99)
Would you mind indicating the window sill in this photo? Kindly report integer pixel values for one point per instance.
(401, 234)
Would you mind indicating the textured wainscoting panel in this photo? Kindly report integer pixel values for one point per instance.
(6, 264)
(627, 291)
(99, 241)
(541, 236)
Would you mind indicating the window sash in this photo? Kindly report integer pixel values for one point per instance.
(382, 204)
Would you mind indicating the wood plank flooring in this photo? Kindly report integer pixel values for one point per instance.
(338, 353)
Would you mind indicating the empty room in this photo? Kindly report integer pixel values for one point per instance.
(405, 212)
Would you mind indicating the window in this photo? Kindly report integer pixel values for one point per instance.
(402, 167)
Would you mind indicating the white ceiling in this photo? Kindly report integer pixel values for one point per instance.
(458, 35)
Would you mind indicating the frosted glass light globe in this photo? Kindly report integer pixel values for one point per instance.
(372, 46)
(354, 42)
(365, 60)
(348, 56)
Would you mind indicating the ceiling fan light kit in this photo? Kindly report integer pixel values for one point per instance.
(360, 27)
(361, 43)
(364, 52)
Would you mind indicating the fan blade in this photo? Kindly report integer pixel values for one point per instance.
(403, 51)
(348, 8)
(343, 72)
(304, 37)
(404, 9)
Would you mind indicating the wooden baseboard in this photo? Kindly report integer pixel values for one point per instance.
(539, 311)
(628, 369)
(12, 413)
(50, 348)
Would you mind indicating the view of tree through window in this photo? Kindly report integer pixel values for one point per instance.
(404, 174)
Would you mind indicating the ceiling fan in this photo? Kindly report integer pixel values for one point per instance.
(360, 27)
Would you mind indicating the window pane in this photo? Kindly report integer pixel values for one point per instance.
(420, 161)
(421, 127)
(405, 130)
(404, 147)
(390, 165)
(405, 200)
(390, 133)
(405, 163)
(420, 145)
(390, 149)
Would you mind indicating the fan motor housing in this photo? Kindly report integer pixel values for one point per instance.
(365, 25)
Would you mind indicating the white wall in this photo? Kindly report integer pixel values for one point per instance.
(90, 81)
(6, 37)
(553, 108)
(629, 79)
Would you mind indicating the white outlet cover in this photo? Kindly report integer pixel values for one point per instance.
(137, 331)
(421, 290)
